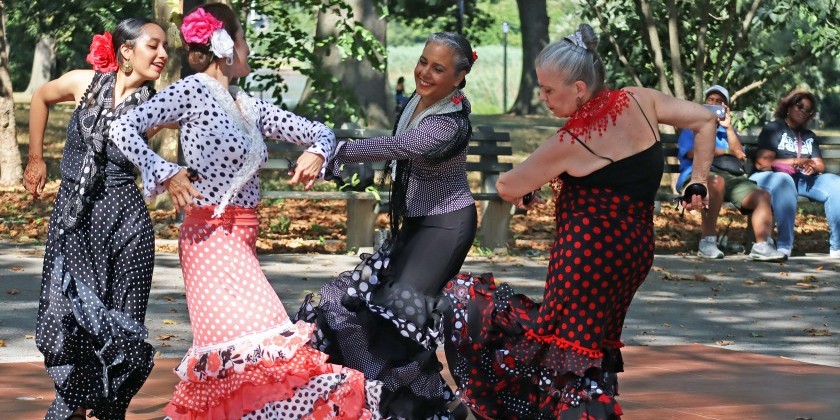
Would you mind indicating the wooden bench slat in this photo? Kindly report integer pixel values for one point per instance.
(489, 167)
(830, 153)
(490, 150)
(320, 195)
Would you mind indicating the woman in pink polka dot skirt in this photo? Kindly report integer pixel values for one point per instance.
(248, 360)
(514, 358)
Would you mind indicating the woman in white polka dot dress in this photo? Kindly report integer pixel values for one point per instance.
(248, 360)
(384, 318)
(100, 245)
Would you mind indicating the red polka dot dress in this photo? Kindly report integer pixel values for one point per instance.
(248, 360)
(514, 358)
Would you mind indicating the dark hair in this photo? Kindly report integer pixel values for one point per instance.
(792, 99)
(199, 56)
(460, 47)
(576, 56)
(127, 33)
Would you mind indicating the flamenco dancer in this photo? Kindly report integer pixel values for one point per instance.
(100, 244)
(513, 358)
(248, 360)
(384, 317)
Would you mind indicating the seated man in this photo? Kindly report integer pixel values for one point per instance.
(728, 182)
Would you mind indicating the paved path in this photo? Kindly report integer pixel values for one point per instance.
(790, 309)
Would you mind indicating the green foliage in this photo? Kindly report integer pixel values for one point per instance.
(280, 225)
(287, 39)
(426, 17)
(787, 44)
(72, 23)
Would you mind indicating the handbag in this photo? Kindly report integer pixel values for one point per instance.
(728, 163)
(783, 168)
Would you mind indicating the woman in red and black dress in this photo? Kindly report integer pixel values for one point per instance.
(515, 358)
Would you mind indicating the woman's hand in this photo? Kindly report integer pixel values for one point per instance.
(697, 200)
(181, 190)
(528, 201)
(307, 169)
(35, 176)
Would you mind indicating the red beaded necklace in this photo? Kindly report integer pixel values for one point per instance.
(594, 115)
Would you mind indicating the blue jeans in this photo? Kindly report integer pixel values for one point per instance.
(784, 189)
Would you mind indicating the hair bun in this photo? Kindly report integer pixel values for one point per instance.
(587, 37)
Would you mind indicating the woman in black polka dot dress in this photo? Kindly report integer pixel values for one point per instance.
(247, 360)
(100, 245)
(384, 318)
(517, 359)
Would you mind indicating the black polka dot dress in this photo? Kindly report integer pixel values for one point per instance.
(384, 317)
(514, 358)
(95, 285)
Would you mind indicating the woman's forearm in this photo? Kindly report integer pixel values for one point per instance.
(38, 114)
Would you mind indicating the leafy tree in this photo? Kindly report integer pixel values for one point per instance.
(758, 49)
(10, 164)
(69, 25)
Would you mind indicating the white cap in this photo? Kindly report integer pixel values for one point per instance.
(719, 89)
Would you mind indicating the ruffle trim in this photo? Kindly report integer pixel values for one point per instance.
(239, 393)
(220, 361)
(418, 317)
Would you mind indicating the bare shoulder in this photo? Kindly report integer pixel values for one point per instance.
(69, 87)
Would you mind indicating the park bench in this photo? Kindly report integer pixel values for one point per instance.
(829, 146)
(484, 152)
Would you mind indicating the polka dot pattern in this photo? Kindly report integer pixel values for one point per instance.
(248, 358)
(211, 140)
(515, 358)
(95, 288)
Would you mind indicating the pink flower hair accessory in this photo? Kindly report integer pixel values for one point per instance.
(102, 56)
(198, 27)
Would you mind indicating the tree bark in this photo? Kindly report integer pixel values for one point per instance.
(533, 18)
(655, 47)
(369, 85)
(43, 63)
(700, 57)
(676, 52)
(11, 169)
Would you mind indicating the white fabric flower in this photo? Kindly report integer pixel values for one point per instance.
(221, 44)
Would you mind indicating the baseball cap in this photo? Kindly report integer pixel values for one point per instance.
(719, 89)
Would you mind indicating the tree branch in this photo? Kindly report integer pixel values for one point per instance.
(656, 48)
(701, 10)
(783, 68)
(622, 58)
(676, 52)
(740, 38)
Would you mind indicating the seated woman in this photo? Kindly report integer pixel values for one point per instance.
(384, 318)
(517, 359)
(790, 164)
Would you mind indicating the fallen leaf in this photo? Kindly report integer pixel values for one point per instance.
(167, 345)
(749, 282)
(29, 336)
(169, 322)
(13, 291)
(173, 310)
(756, 334)
(700, 277)
(817, 333)
(164, 337)
(820, 268)
(169, 298)
(16, 268)
(807, 285)
(667, 325)
(2, 343)
(724, 342)
(809, 278)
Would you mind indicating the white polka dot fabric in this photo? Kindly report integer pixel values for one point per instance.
(211, 141)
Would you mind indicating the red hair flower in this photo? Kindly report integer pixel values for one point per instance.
(457, 99)
(102, 55)
(198, 27)
(475, 56)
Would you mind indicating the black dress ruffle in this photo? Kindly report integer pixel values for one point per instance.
(389, 333)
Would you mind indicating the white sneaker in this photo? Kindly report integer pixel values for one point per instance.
(762, 251)
(834, 253)
(785, 251)
(709, 249)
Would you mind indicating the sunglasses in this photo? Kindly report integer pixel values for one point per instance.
(806, 111)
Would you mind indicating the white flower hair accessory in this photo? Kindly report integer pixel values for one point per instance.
(222, 45)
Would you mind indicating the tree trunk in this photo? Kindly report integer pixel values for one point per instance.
(656, 48)
(10, 164)
(533, 18)
(675, 53)
(369, 85)
(165, 143)
(43, 63)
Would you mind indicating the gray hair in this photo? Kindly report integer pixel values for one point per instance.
(460, 47)
(575, 56)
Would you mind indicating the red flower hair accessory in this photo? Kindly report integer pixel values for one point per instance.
(102, 55)
(198, 27)
(475, 56)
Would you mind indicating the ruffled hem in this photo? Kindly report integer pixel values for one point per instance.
(522, 374)
(230, 380)
(370, 327)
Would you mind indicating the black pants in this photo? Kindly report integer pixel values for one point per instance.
(431, 249)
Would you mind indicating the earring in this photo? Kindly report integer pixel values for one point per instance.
(126, 67)
(229, 60)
